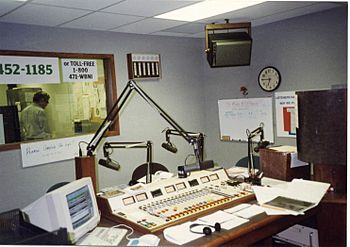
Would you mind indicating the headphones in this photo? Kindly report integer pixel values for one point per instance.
(207, 229)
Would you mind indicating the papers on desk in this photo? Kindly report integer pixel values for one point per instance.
(297, 197)
(293, 198)
(250, 212)
(181, 234)
(226, 220)
(237, 171)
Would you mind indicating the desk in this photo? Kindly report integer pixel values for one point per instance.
(331, 220)
(262, 227)
(258, 228)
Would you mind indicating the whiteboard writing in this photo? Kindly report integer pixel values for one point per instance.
(43, 152)
(238, 115)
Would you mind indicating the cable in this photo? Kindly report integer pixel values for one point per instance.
(188, 157)
(127, 227)
(80, 151)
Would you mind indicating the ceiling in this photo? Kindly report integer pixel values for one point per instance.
(137, 16)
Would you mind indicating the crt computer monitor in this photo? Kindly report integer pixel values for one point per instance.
(72, 206)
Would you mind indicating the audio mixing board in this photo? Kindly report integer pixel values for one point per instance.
(152, 207)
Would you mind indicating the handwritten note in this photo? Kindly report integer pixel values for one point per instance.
(43, 152)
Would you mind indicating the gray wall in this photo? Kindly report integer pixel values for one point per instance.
(179, 92)
(309, 51)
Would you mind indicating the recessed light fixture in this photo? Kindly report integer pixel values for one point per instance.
(206, 9)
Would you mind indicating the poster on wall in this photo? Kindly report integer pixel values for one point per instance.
(286, 120)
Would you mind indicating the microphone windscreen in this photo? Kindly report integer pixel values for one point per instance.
(169, 147)
(102, 162)
(109, 164)
(192, 167)
(206, 164)
(261, 144)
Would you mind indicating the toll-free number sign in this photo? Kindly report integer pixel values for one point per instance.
(79, 70)
(28, 70)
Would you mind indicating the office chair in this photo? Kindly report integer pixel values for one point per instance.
(56, 186)
(141, 171)
(244, 162)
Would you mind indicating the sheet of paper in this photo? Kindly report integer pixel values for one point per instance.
(237, 208)
(181, 234)
(250, 212)
(294, 162)
(265, 194)
(237, 171)
(236, 221)
(299, 189)
(306, 190)
(217, 217)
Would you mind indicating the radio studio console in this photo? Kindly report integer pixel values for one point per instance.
(153, 207)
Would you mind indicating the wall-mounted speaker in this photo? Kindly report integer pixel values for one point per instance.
(229, 49)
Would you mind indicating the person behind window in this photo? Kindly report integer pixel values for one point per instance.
(34, 124)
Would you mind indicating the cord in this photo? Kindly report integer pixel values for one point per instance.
(188, 157)
(80, 151)
(127, 227)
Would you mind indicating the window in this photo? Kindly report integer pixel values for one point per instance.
(78, 103)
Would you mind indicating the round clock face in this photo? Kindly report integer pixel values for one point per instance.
(269, 79)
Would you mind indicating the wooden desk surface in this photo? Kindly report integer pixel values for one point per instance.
(258, 228)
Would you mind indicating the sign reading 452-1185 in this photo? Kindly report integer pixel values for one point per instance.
(28, 70)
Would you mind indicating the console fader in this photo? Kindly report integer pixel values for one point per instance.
(155, 206)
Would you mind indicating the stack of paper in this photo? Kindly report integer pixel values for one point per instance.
(298, 196)
(181, 234)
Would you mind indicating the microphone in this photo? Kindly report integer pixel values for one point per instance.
(169, 146)
(184, 170)
(108, 163)
(261, 144)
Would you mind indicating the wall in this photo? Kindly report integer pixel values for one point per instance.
(179, 92)
(310, 52)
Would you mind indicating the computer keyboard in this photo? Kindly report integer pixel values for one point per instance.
(103, 236)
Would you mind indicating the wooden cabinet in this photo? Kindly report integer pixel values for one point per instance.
(277, 165)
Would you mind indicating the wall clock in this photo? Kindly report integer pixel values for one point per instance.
(269, 79)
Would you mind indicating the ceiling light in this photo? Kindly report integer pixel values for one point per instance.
(206, 9)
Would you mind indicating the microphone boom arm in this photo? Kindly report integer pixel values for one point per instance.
(198, 145)
(251, 169)
(148, 145)
(118, 105)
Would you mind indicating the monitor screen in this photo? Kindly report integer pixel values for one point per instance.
(80, 206)
(72, 206)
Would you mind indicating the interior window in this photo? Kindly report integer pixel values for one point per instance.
(68, 109)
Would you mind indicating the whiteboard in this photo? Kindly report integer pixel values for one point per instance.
(238, 115)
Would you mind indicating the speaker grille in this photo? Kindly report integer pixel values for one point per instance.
(229, 49)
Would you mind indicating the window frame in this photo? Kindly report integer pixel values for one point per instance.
(110, 82)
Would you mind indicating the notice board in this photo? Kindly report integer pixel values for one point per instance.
(238, 115)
